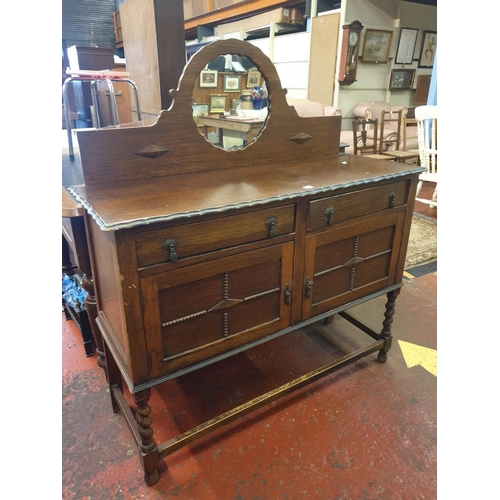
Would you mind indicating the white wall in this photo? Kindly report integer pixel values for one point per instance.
(290, 55)
(373, 79)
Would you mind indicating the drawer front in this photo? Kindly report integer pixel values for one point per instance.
(194, 313)
(176, 243)
(329, 211)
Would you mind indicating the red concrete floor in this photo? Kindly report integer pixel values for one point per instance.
(367, 431)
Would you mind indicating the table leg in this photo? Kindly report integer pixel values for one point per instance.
(147, 446)
(390, 309)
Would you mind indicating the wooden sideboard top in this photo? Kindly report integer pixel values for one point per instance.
(167, 170)
(132, 203)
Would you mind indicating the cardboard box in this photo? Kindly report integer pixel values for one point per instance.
(296, 17)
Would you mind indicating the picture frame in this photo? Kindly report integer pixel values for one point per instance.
(422, 90)
(402, 79)
(208, 78)
(428, 51)
(253, 78)
(232, 83)
(199, 109)
(376, 46)
(218, 103)
(406, 45)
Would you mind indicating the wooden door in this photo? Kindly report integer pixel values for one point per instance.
(351, 261)
(197, 312)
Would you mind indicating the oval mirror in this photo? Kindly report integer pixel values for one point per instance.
(230, 102)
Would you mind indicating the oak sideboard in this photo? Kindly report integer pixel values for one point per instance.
(199, 253)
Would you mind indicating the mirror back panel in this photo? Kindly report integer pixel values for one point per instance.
(173, 145)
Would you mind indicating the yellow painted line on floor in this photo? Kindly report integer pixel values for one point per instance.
(418, 355)
(408, 275)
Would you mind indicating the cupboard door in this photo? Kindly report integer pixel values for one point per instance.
(351, 261)
(197, 312)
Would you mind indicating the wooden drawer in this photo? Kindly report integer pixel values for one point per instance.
(352, 205)
(154, 247)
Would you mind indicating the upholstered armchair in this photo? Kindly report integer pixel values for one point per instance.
(373, 109)
(306, 108)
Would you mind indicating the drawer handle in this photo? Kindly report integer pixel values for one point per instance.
(271, 224)
(392, 199)
(170, 246)
(287, 295)
(329, 215)
(309, 285)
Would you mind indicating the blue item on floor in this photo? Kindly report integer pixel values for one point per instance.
(73, 294)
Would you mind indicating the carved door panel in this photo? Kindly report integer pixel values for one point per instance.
(200, 311)
(351, 261)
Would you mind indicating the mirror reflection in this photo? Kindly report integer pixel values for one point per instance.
(230, 102)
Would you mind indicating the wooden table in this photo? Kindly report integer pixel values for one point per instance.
(248, 128)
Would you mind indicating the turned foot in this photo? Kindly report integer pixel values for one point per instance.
(382, 357)
(151, 478)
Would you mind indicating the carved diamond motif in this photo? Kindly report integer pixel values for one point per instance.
(225, 304)
(301, 138)
(353, 261)
(151, 151)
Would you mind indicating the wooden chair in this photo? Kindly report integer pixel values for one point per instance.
(365, 138)
(410, 121)
(426, 117)
(394, 118)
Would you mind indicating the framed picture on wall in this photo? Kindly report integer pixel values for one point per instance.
(253, 79)
(208, 78)
(199, 109)
(218, 103)
(232, 83)
(406, 45)
(428, 51)
(422, 90)
(376, 46)
(402, 79)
